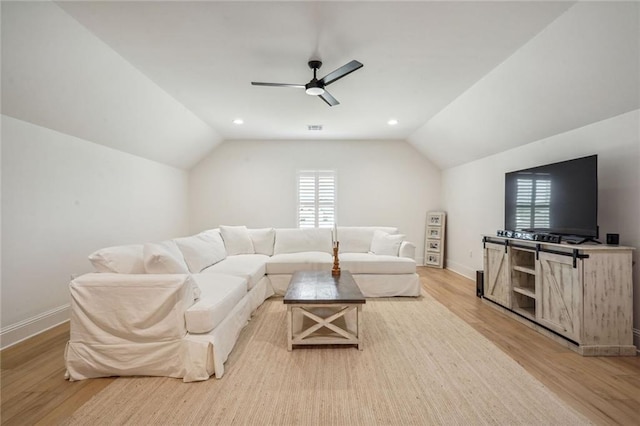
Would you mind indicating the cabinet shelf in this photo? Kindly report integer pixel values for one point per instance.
(526, 269)
(525, 291)
(526, 312)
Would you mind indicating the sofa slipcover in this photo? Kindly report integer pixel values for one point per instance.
(288, 263)
(219, 293)
(294, 240)
(124, 324)
(357, 239)
(153, 324)
(368, 263)
(249, 266)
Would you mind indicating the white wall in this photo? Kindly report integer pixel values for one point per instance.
(59, 75)
(581, 69)
(253, 183)
(473, 193)
(62, 198)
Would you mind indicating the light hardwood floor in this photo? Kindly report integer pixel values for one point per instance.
(606, 390)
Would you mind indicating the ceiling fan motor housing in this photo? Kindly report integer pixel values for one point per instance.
(314, 88)
(314, 64)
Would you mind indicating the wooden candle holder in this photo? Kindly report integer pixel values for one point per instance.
(336, 262)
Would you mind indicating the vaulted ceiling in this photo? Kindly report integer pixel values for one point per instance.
(165, 80)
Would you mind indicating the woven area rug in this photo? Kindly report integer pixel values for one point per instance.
(420, 365)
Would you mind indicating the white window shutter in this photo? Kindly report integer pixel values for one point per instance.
(316, 198)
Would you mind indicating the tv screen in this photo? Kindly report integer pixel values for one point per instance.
(559, 198)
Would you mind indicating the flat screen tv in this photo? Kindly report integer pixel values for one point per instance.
(559, 198)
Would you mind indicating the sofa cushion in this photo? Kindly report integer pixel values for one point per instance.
(202, 250)
(248, 266)
(220, 293)
(293, 240)
(164, 258)
(127, 259)
(368, 263)
(357, 239)
(288, 263)
(263, 240)
(236, 240)
(386, 244)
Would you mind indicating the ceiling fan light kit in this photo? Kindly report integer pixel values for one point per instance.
(314, 90)
(317, 87)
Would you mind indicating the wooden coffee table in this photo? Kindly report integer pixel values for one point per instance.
(323, 309)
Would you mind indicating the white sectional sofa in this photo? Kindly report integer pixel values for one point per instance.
(176, 308)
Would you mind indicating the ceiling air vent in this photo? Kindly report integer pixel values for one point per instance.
(314, 127)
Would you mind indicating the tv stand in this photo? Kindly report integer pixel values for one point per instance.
(579, 296)
(573, 239)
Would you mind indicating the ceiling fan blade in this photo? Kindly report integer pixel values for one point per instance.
(330, 100)
(340, 72)
(297, 86)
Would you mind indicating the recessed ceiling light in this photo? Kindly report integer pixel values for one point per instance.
(238, 121)
(392, 122)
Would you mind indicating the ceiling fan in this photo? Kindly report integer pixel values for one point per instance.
(316, 86)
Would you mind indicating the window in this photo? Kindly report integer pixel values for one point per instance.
(316, 198)
(533, 198)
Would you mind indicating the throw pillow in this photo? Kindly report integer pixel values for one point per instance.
(386, 244)
(236, 240)
(263, 240)
(220, 252)
(164, 258)
(120, 259)
(202, 250)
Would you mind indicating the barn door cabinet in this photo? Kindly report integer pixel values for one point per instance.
(580, 296)
(496, 274)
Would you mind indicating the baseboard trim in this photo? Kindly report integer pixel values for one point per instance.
(636, 339)
(460, 269)
(23, 330)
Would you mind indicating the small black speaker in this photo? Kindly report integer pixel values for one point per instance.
(479, 283)
(613, 239)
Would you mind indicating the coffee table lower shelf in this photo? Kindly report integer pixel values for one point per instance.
(324, 324)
